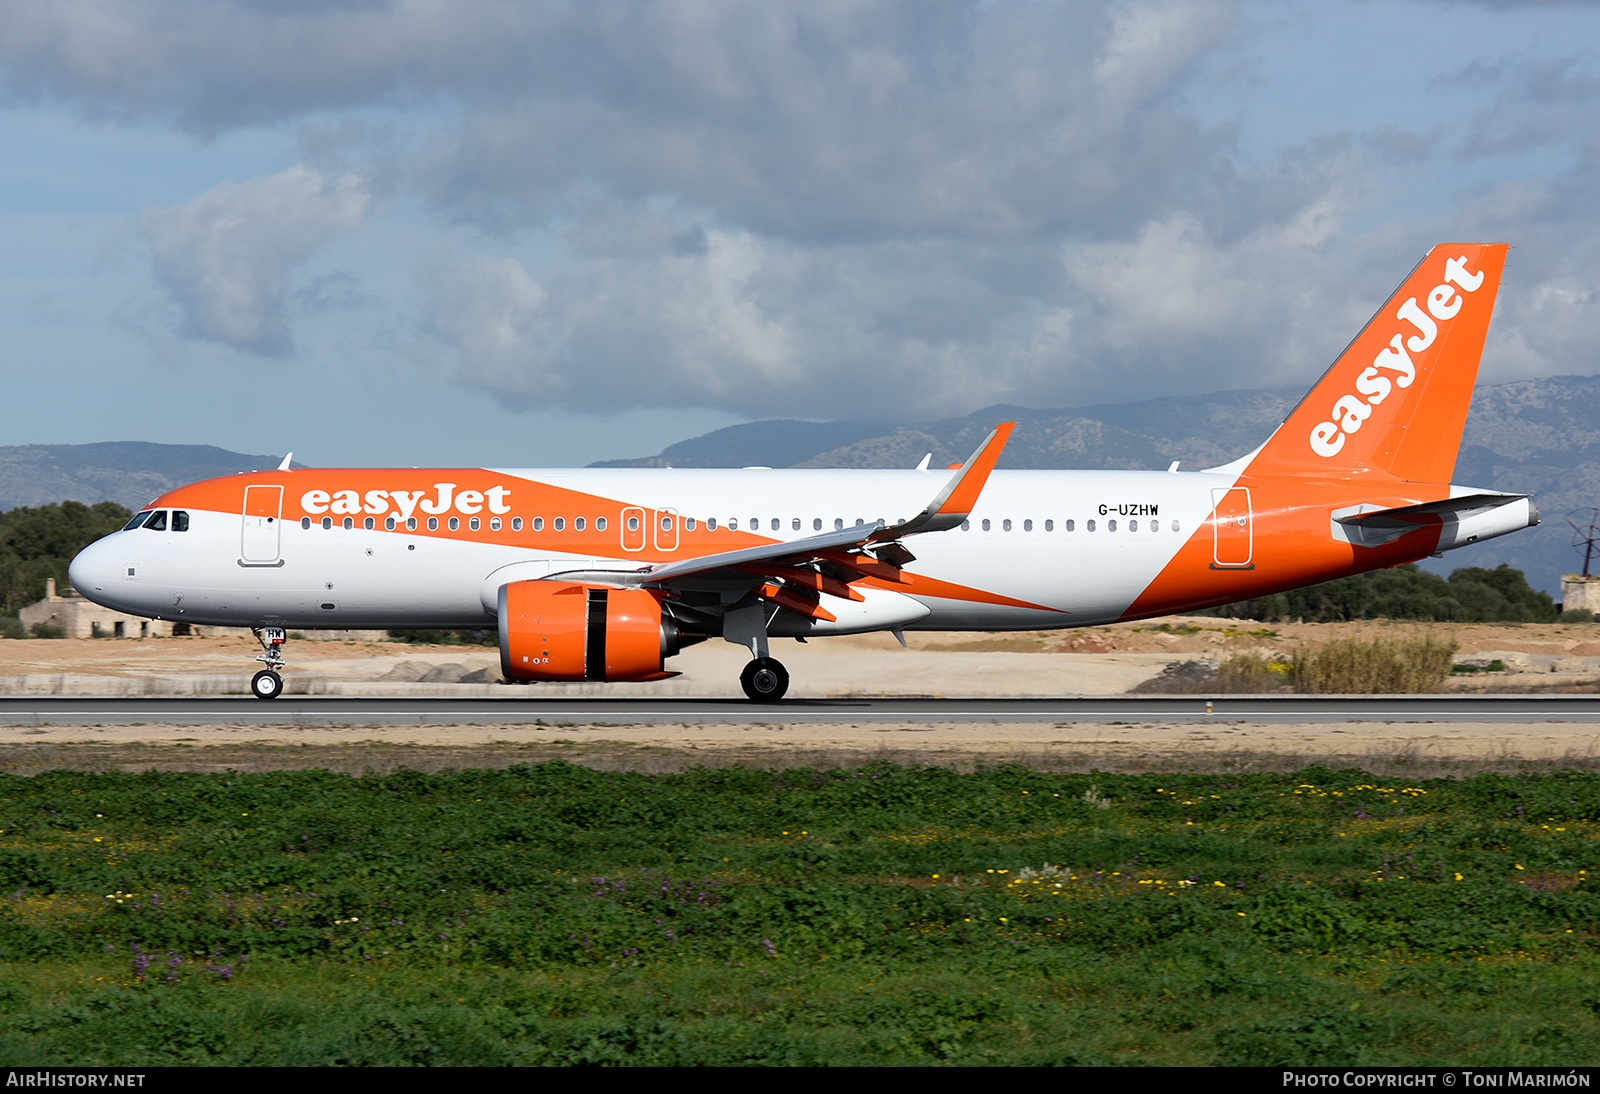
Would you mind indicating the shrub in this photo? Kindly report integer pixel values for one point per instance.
(1248, 672)
(1353, 667)
(1243, 673)
(46, 630)
(11, 627)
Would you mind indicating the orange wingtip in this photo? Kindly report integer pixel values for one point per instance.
(976, 471)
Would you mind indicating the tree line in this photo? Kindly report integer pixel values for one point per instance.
(1471, 594)
(38, 543)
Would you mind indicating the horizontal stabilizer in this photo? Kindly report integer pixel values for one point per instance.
(1367, 526)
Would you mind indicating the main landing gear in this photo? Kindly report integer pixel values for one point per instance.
(765, 680)
(268, 684)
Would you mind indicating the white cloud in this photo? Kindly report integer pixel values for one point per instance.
(620, 331)
(226, 256)
(828, 207)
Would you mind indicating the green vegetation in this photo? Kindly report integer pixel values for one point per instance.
(553, 914)
(447, 638)
(1398, 666)
(1412, 666)
(1471, 595)
(36, 544)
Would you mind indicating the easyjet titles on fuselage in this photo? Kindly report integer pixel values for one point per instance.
(406, 502)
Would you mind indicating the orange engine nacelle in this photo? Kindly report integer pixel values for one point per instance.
(556, 630)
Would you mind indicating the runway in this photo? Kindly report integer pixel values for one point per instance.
(523, 710)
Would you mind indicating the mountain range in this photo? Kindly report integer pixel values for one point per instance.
(1540, 437)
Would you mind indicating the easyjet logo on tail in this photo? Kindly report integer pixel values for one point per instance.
(1393, 367)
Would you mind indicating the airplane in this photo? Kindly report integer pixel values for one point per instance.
(603, 574)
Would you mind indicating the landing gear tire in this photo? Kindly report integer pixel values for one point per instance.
(266, 685)
(765, 680)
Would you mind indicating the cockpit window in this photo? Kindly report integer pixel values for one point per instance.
(180, 521)
(138, 519)
(157, 521)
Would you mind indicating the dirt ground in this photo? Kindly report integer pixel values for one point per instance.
(1402, 750)
(1097, 661)
(1088, 661)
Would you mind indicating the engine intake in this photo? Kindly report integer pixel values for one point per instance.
(558, 630)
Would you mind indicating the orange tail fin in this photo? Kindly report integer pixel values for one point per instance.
(1395, 402)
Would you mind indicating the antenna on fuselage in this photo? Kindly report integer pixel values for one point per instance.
(284, 466)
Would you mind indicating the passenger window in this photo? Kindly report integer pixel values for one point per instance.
(1006, 524)
(816, 524)
(305, 523)
(455, 524)
(1049, 526)
(433, 524)
(985, 524)
(578, 524)
(838, 524)
(733, 524)
(633, 524)
(1133, 526)
(388, 524)
(1088, 526)
(349, 523)
(327, 522)
(711, 523)
(600, 524)
(411, 524)
(966, 526)
(1111, 526)
(538, 524)
(1027, 526)
(157, 521)
(494, 524)
(369, 524)
(688, 523)
(516, 524)
(180, 521)
(1070, 526)
(473, 524)
(796, 524)
(559, 523)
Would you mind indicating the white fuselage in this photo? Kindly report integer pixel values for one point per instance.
(1077, 547)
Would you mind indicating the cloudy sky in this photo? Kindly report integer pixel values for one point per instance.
(512, 233)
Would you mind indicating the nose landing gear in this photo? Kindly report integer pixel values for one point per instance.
(268, 684)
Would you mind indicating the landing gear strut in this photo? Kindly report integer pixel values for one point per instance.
(765, 680)
(268, 684)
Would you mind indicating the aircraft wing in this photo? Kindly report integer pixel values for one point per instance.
(794, 572)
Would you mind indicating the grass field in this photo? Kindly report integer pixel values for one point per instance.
(553, 914)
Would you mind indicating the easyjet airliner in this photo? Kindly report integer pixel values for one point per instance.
(603, 574)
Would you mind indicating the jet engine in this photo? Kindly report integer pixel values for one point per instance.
(559, 630)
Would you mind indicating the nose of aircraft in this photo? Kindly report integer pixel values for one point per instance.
(91, 571)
